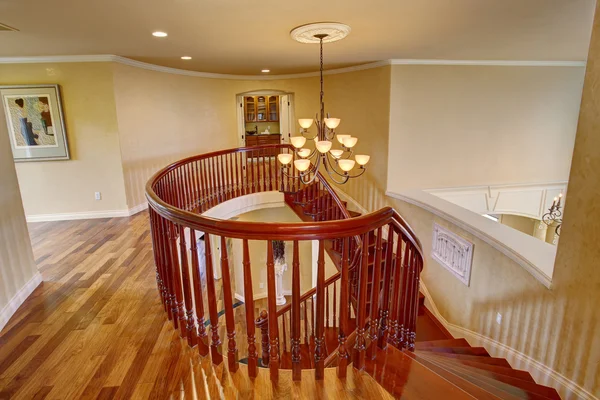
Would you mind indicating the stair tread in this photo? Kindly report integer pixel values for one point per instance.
(474, 390)
(485, 369)
(480, 359)
(516, 373)
(443, 343)
(474, 351)
(404, 377)
(507, 384)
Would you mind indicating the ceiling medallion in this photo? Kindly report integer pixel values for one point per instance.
(309, 33)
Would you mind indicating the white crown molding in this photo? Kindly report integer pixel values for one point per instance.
(494, 63)
(361, 67)
(542, 373)
(19, 298)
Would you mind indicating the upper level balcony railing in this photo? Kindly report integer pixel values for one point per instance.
(371, 302)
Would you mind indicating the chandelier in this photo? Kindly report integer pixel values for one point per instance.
(554, 214)
(338, 163)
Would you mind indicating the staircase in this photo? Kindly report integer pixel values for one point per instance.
(369, 316)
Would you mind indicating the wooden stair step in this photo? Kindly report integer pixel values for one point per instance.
(480, 359)
(470, 388)
(516, 387)
(354, 214)
(405, 378)
(494, 369)
(442, 343)
(473, 351)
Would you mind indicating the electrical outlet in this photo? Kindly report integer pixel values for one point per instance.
(98, 196)
(262, 285)
(498, 318)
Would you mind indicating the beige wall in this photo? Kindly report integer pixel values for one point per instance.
(557, 327)
(258, 254)
(164, 117)
(17, 266)
(52, 187)
(481, 125)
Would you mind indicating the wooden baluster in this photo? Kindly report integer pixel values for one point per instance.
(263, 323)
(387, 279)
(179, 309)
(238, 191)
(272, 307)
(375, 290)
(418, 265)
(327, 307)
(251, 163)
(199, 302)
(264, 170)
(405, 296)
(168, 277)
(215, 181)
(249, 300)
(270, 172)
(205, 186)
(231, 181)
(187, 291)
(312, 317)
(283, 346)
(360, 345)
(295, 323)
(157, 254)
(334, 305)
(414, 298)
(215, 344)
(394, 333)
(222, 165)
(306, 322)
(344, 311)
(232, 352)
(320, 331)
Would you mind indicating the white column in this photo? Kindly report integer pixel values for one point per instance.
(280, 268)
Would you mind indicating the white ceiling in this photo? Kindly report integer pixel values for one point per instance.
(243, 37)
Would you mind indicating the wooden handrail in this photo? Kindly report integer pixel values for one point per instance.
(308, 294)
(179, 194)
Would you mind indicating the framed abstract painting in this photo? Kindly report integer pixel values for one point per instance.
(35, 122)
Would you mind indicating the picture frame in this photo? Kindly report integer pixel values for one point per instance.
(35, 122)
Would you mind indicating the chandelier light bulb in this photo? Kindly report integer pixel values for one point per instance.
(298, 141)
(341, 138)
(336, 153)
(302, 165)
(305, 123)
(323, 146)
(332, 123)
(346, 165)
(350, 141)
(285, 158)
(362, 159)
(304, 153)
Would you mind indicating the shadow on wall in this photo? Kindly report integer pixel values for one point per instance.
(558, 327)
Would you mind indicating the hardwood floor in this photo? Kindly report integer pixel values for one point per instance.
(96, 329)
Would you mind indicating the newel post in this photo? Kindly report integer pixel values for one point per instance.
(263, 323)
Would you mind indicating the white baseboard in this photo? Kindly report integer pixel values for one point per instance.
(542, 374)
(87, 214)
(18, 299)
(137, 209)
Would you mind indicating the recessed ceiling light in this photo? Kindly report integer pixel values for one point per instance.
(186, 58)
(265, 70)
(159, 34)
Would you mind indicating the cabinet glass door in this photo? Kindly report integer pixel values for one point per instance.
(273, 108)
(250, 109)
(261, 108)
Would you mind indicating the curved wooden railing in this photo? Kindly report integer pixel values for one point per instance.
(379, 256)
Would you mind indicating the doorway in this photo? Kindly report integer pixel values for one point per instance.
(265, 112)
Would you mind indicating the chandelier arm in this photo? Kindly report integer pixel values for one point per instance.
(333, 168)
(309, 138)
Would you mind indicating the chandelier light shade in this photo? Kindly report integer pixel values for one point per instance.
(285, 158)
(298, 141)
(302, 165)
(303, 153)
(336, 153)
(336, 162)
(362, 159)
(305, 123)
